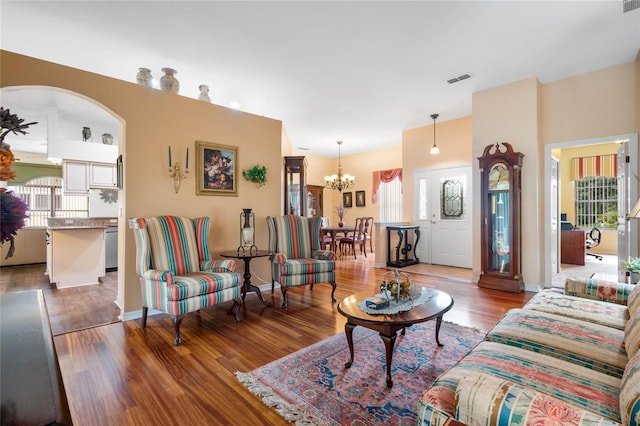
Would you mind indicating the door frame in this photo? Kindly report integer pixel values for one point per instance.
(632, 138)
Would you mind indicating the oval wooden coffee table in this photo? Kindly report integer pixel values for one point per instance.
(388, 325)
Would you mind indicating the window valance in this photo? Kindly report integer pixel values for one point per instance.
(597, 165)
(385, 176)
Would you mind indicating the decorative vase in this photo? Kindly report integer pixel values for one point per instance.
(204, 93)
(144, 77)
(168, 82)
(86, 134)
(107, 138)
(247, 229)
(341, 224)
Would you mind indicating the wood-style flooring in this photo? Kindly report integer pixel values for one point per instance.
(122, 374)
(70, 309)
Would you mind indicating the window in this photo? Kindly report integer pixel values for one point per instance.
(390, 201)
(45, 199)
(596, 202)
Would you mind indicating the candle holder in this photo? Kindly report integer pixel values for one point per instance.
(175, 171)
(247, 232)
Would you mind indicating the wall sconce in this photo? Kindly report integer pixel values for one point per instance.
(434, 148)
(175, 172)
(247, 232)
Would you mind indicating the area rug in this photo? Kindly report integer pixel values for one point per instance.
(312, 387)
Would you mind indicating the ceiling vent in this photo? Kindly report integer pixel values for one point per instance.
(461, 77)
(629, 5)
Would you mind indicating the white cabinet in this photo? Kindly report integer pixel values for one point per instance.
(76, 256)
(79, 176)
(75, 176)
(102, 175)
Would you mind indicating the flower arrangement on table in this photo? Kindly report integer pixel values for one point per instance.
(340, 211)
(13, 210)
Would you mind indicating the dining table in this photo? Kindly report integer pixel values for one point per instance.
(333, 232)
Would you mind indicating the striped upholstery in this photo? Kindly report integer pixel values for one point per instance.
(597, 289)
(609, 314)
(298, 258)
(630, 392)
(177, 274)
(504, 403)
(592, 346)
(564, 381)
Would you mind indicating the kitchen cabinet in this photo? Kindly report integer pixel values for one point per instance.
(102, 175)
(80, 176)
(75, 176)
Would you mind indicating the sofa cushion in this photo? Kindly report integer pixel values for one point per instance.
(605, 313)
(503, 403)
(598, 289)
(632, 334)
(590, 345)
(633, 301)
(582, 387)
(630, 392)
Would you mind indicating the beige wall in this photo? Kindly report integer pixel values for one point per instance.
(152, 120)
(362, 167)
(453, 137)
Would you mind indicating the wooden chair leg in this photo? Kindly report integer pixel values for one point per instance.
(177, 320)
(333, 298)
(235, 309)
(145, 311)
(284, 297)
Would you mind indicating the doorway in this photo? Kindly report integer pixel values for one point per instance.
(556, 163)
(443, 215)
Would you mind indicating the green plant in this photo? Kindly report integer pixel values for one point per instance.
(633, 265)
(256, 174)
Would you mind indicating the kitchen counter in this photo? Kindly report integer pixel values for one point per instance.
(81, 222)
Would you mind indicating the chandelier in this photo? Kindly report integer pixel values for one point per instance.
(340, 181)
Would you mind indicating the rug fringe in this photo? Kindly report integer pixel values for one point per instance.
(288, 411)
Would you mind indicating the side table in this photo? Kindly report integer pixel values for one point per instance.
(405, 246)
(247, 256)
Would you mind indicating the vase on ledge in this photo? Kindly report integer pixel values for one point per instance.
(168, 82)
(341, 224)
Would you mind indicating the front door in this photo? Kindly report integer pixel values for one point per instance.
(443, 214)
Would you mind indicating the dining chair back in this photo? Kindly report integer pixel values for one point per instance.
(355, 238)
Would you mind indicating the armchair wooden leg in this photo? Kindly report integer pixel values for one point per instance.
(273, 286)
(333, 298)
(284, 297)
(177, 320)
(145, 311)
(235, 309)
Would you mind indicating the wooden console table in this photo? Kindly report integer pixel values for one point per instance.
(32, 391)
(405, 247)
(572, 247)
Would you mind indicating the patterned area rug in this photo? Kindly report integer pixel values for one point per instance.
(312, 387)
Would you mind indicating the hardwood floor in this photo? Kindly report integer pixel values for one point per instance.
(70, 309)
(125, 375)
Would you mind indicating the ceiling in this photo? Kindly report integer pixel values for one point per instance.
(356, 71)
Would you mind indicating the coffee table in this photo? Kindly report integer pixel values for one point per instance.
(388, 325)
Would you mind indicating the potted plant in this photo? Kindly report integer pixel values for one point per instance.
(256, 174)
(633, 267)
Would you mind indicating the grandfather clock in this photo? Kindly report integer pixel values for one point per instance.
(295, 185)
(500, 169)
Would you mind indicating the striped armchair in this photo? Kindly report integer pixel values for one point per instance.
(177, 274)
(297, 255)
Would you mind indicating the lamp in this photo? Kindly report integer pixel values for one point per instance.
(175, 172)
(339, 181)
(434, 148)
(247, 231)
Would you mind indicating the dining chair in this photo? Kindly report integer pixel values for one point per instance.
(368, 231)
(355, 238)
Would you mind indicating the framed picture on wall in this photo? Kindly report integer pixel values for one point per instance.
(360, 199)
(347, 199)
(216, 169)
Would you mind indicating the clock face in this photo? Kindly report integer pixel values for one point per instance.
(498, 177)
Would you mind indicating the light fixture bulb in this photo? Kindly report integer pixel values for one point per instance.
(434, 150)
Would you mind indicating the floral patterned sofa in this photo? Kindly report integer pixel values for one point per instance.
(569, 359)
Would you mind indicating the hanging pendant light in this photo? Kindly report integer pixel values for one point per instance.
(339, 181)
(434, 148)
